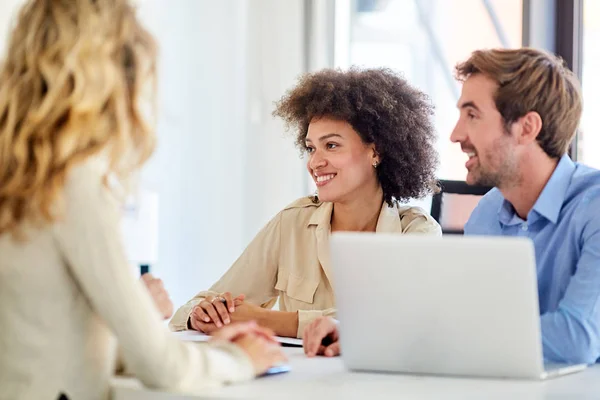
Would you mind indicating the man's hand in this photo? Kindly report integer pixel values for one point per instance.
(321, 337)
(159, 295)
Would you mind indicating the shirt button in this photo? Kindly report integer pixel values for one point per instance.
(524, 227)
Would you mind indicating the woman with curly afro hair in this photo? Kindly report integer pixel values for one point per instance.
(369, 143)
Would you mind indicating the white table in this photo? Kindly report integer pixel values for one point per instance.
(326, 378)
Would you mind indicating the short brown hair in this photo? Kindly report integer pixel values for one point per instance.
(384, 109)
(532, 80)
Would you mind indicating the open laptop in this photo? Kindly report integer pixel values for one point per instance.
(428, 305)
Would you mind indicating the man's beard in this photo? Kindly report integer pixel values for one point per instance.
(504, 173)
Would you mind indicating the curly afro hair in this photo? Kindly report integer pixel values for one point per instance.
(385, 110)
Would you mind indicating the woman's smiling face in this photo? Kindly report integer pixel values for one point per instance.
(339, 162)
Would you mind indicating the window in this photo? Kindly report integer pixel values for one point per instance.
(424, 39)
(588, 145)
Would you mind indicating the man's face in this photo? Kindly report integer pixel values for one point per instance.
(481, 133)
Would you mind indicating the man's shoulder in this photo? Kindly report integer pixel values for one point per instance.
(585, 183)
(491, 201)
(485, 214)
(583, 196)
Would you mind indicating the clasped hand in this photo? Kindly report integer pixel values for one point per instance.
(214, 312)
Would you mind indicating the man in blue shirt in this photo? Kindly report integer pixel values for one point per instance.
(519, 110)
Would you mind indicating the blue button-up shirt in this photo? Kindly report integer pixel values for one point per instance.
(564, 226)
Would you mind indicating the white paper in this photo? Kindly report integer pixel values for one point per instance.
(191, 336)
(195, 336)
(290, 341)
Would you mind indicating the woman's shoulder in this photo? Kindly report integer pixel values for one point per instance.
(88, 189)
(306, 210)
(407, 210)
(308, 203)
(416, 219)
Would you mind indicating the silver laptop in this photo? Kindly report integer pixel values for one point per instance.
(451, 306)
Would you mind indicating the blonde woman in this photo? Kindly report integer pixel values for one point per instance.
(71, 135)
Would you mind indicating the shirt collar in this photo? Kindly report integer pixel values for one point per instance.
(388, 221)
(322, 215)
(550, 201)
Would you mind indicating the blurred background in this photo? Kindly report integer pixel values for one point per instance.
(224, 166)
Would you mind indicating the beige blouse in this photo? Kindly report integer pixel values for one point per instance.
(68, 298)
(289, 260)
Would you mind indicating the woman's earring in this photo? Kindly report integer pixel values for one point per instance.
(315, 197)
(375, 164)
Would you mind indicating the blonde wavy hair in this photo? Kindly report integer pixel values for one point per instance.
(70, 88)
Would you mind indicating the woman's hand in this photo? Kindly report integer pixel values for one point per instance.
(214, 312)
(159, 295)
(258, 344)
(282, 323)
(245, 312)
(321, 337)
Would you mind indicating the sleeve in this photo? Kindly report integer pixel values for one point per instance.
(88, 234)
(571, 334)
(253, 274)
(416, 220)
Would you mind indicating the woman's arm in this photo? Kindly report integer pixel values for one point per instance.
(253, 274)
(89, 236)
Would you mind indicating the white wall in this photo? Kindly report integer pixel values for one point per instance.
(223, 166)
(8, 9)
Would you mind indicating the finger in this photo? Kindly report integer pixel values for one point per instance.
(195, 323)
(265, 333)
(212, 313)
(333, 350)
(153, 283)
(162, 295)
(312, 340)
(306, 338)
(199, 313)
(277, 355)
(168, 307)
(234, 331)
(319, 334)
(148, 282)
(147, 277)
(209, 328)
(222, 311)
(195, 319)
(277, 351)
(229, 300)
(238, 301)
